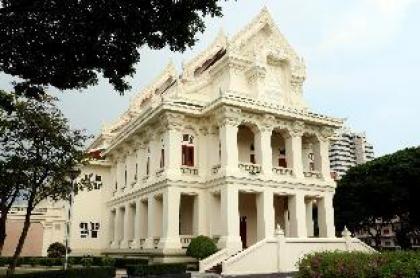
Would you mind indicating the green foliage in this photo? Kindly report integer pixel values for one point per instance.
(76, 40)
(57, 250)
(385, 188)
(108, 261)
(201, 247)
(87, 262)
(360, 265)
(155, 269)
(92, 272)
(123, 262)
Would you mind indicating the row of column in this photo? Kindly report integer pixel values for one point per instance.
(153, 218)
(229, 151)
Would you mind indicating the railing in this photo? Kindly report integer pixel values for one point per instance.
(189, 170)
(215, 169)
(250, 168)
(156, 242)
(283, 171)
(213, 260)
(142, 241)
(185, 240)
(312, 174)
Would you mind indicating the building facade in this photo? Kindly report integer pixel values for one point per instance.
(228, 148)
(347, 150)
(47, 226)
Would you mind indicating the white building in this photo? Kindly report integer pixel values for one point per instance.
(349, 149)
(220, 149)
(47, 226)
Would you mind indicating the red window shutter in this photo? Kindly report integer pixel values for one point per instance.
(184, 155)
(190, 160)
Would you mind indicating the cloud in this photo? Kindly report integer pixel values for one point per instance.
(367, 26)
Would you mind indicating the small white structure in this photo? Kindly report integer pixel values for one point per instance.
(228, 149)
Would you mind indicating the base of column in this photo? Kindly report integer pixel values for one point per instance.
(230, 242)
(124, 244)
(170, 243)
(148, 244)
(136, 244)
(114, 244)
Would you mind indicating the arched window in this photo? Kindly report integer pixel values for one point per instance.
(162, 154)
(188, 150)
(148, 162)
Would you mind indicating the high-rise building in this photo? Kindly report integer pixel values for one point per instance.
(348, 149)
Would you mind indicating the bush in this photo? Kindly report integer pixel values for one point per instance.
(124, 262)
(87, 261)
(201, 247)
(108, 261)
(57, 250)
(94, 272)
(155, 270)
(357, 264)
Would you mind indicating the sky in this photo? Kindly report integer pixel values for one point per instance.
(362, 58)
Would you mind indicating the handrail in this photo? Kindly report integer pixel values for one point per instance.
(216, 258)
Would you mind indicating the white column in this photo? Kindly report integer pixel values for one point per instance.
(137, 224)
(263, 150)
(265, 214)
(126, 224)
(204, 142)
(309, 217)
(151, 215)
(118, 227)
(199, 216)
(143, 213)
(294, 154)
(170, 220)
(297, 215)
(230, 218)
(229, 147)
(322, 160)
(110, 227)
(172, 151)
(326, 216)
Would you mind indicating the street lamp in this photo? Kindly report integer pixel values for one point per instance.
(73, 174)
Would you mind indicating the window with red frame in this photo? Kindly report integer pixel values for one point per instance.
(188, 150)
(282, 158)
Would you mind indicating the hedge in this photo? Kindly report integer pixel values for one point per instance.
(201, 247)
(360, 265)
(156, 270)
(93, 272)
(85, 261)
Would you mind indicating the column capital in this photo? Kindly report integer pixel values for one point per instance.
(296, 129)
(228, 116)
(172, 121)
(325, 133)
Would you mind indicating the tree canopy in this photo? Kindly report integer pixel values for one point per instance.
(37, 149)
(376, 193)
(66, 43)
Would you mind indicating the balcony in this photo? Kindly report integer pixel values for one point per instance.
(283, 171)
(188, 170)
(251, 168)
(185, 240)
(312, 174)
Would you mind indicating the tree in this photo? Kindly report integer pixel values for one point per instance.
(66, 43)
(38, 138)
(201, 247)
(57, 250)
(376, 194)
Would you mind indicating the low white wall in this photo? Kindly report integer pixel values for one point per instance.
(282, 254)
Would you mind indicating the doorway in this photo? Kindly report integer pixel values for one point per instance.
(242, 231)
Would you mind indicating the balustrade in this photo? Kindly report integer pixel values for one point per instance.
(283, 171)
(312, 174)
(185, 240)
(189, 170)
(250, 168)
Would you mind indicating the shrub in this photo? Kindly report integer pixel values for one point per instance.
(57, 250)
(357, 264)
(94, 272)
(201, 247)
(123, 262)
(108, 261)
(87, 261)
(155, 269)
